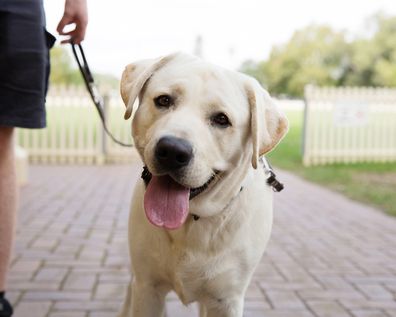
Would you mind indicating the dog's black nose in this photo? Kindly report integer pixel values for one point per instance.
(173, 153)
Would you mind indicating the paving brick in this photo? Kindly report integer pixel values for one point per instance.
(66, 249)
(13, 296)
(88, 306)
(254, 292)
(368, 313)
(101, 314)
(114, 277)
(328, 309)
(36, 285)
(80, 282)
(285, 300)
(176, 309)
(256, 304)
(335, 283)
(29, 266)
(91, 254)
(45, 244)
(330, 294)
(68, 314)
(253, 313)
(369, 304)
(32, 309)
(328, 256)
(280, 313)
(57, 296)
(375, 291)
(109, 290)
(291, 286)
(51, 274)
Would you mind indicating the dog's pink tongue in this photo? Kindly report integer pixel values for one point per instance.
(166, 202)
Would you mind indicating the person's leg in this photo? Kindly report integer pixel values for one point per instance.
(8, 206)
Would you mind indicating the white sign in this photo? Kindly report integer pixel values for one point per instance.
(351, 113)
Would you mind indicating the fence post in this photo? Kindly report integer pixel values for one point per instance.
(102, 139)
(106, 105)
(305, 136)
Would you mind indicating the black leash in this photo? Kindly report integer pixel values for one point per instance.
(92, 89)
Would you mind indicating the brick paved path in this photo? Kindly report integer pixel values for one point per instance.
(327, 256)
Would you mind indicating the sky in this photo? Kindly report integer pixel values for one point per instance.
(232, 31)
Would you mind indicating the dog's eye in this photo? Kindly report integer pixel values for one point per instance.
(163, 101)
(220, 119)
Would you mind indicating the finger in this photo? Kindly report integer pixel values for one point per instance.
(68, 37)
(62, 23)
(69, 33)
(69, 40)
(73, 38)
(81, 27)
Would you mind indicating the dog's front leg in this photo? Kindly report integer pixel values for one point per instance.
(144, 301)
(147, 300)
(228, 307)
(126, 306)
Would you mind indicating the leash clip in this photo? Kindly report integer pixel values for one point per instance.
(271, 180)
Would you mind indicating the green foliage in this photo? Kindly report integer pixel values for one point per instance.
(321, 56)
(64, 71)
(373, 61)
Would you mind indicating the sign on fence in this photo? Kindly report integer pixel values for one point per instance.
(349, 125)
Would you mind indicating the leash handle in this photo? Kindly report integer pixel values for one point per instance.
(93, 90)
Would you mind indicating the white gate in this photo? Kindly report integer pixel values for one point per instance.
(74, 133)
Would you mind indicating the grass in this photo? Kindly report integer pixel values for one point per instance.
(370, 183)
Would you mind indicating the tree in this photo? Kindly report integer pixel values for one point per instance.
(62, 70)
(321, 56)
(314, 55)
(373, 61)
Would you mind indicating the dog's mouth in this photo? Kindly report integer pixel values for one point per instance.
(166, 202)
(196, 191)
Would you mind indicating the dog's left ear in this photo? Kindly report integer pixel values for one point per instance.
(268, 123)
(135, 77)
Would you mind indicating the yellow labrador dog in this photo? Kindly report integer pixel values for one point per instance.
(200, 222)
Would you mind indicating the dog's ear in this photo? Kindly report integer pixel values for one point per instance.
(268, 123)
(134, 78)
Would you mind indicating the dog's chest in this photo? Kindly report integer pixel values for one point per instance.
(198, 275)
(195, 277)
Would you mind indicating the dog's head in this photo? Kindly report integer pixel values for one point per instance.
(193, 125)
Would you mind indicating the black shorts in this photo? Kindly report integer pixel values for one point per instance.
(24, 63)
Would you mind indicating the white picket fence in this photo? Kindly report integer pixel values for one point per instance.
(74, 133)
(349, 125)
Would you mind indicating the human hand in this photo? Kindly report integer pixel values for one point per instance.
(75, 13)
